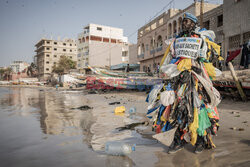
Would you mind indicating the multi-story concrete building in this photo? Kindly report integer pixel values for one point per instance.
(236, 25)
(231, 24)
(18, 66)
(132, 54)
(101, 46)
(48, 53)
(151, 37)
(213, 20)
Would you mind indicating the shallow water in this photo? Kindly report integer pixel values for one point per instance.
(40, 128)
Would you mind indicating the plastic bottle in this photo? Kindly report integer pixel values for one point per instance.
(118, 148)
(132, 110)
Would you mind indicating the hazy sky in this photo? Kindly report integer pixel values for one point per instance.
(24, 22)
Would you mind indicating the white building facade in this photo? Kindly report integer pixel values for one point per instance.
(101, 46)
(18, 66)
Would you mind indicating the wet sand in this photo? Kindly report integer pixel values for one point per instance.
(40, 128)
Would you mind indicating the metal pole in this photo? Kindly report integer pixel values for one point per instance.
(201, 13)
(153, 54)
(110, 48)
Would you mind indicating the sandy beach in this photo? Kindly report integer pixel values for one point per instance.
(67, 136)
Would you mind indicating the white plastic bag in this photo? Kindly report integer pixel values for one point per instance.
(170, 70)
(167, 97)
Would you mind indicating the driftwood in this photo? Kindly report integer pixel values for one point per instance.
(243, 76)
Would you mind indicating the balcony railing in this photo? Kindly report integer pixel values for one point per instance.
(141, 56)
(159, 49)
(156, 50)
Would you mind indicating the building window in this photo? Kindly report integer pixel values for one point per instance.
(55, 48)
(113, 41)
(64, 44)
(95, 38)
(47, 62)
(206, 24)
(99, 28)
(55, 55)
(219, 20)
(234, 41)
(47, 55)
(64, 50)
(70, 50)
(47, 69)
(70, 44)
(55, 43)
(105, 40)
(161, 21)
(70, 57)
(48, 42)
(246, 37)
(48, 48)
(54, 63)
(124, 53)
(153, 26)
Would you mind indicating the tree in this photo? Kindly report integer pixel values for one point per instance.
(2, 71)
(8, 72)
(64, 65)
(32, 70)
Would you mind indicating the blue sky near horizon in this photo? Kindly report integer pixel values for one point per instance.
(24, 22)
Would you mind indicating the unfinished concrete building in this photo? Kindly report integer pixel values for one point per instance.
(48, 53)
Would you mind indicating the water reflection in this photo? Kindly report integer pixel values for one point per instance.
(51, 108)
(122, 161)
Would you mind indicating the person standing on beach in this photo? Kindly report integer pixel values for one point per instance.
(186, 101)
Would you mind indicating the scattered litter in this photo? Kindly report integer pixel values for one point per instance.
(132, 126)
(93, 92)
(237, 116)
(120, 109)
(244, 122)
(118, 148)
(241, 129)
(116, 102)
(132, 110)
(85, 107)
(167, 137)
(233, 128)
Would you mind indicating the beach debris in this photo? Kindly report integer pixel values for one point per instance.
(92, 92)
(120, 109)
(167, 137)
(116, 102)
(237, 116)
(241, 129)
(233, 128)
(85, 107)
(132, 110)
(132, 126)
(118, 148)
(244, 122)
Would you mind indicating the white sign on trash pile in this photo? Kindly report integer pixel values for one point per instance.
(187, 47)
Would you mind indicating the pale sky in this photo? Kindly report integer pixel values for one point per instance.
(24, 22)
